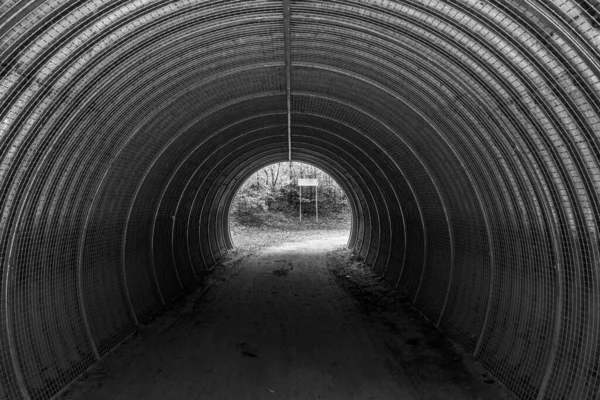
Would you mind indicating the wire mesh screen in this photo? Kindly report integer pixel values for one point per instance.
(466, 132)
(77, 147)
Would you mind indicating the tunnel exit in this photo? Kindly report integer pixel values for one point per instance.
(286, 203)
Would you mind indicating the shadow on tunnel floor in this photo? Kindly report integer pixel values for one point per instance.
(301, 320)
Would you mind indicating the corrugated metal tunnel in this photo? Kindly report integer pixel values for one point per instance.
(465, 133)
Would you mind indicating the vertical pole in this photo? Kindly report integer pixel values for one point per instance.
(300, 203)
(317, 202)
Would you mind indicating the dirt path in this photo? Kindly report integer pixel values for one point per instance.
(275, 325)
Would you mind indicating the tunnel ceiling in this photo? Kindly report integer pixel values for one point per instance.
(465, 133)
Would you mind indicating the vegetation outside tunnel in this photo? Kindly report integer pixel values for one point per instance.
(266, 208)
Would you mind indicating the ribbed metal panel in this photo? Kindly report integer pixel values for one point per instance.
(465, 133)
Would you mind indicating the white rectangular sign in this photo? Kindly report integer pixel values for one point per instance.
(308, 182)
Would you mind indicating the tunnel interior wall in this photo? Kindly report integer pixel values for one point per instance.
(465, 133)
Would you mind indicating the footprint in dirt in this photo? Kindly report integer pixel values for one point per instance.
(246, 350)
(281, 272)
(284, 271)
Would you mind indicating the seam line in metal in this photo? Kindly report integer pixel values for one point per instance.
(288, 71)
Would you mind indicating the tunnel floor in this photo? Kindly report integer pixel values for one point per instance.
(294, 321)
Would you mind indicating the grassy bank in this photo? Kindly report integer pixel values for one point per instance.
(273, 228)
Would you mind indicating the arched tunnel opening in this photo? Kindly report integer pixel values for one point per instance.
(465, 134)
(270, 207)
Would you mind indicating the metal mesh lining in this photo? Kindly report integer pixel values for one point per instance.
(464, 132)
